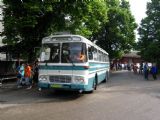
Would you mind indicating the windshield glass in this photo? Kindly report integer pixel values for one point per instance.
(51, 53)
(73, 52)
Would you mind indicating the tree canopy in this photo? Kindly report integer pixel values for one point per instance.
(26, 22)
(117, 36)
(149, 31)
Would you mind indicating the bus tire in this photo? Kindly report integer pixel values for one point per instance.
(95, 83)
(94, 86)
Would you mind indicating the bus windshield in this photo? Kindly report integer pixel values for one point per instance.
(73, 52)
(70, 52)
(51, 52)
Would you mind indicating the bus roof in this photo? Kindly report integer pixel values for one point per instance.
(69, 38)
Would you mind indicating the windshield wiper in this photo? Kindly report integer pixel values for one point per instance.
(71, 61)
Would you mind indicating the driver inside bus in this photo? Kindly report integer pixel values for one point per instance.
(80, 57)
(55, 56)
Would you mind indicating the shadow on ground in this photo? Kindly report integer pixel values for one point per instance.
(10, 94)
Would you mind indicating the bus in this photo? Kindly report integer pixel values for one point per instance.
(72, 62)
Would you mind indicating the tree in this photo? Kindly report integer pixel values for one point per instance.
(149, 31)
(117, 35)
(26, 22)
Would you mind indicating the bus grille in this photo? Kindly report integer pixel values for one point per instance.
(60, 79)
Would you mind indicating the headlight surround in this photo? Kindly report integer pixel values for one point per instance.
(79, 79)
(42, 78)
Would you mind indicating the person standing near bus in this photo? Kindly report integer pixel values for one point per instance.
(141, 68)
(146, 71)
(154, 71)
(28, 73)
(35, 73)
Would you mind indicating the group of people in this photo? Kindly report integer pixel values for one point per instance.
(153, 70)
(142, 68)
(146, 70)
(27, 75)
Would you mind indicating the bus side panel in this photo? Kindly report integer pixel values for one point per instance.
(101, 76)
(91, 80)
(99, 69)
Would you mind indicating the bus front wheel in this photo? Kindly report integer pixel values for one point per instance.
(95, 83)
(94, 86)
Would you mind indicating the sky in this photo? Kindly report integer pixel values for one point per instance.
(138, 9)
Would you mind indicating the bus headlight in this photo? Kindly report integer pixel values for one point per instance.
(42, 78)
(79, 79)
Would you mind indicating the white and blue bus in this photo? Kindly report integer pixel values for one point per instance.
(72, 62)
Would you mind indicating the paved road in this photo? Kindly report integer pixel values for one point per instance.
(125, 97)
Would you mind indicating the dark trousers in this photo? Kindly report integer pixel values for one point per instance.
(35, 78)
(154, 76)
(146, 75)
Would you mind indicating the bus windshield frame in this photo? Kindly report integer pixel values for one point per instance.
(66, 52)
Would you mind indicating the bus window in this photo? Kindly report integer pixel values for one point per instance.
(100, 56)
(90, 52)
(51, 52)
(54, 56)
(74, 52)
(104, 57)
(45, 54)
(65, 53)
(107, 58)
(95, 54)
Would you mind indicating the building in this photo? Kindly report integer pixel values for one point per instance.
(131, 58)
(128, 59)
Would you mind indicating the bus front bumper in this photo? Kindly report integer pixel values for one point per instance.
(70, 87)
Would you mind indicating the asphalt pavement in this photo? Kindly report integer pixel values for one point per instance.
(126, 96)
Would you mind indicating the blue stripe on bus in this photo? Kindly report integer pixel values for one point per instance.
(97, 66)
(43, 67)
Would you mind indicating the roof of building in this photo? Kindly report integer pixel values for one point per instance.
(132, 54)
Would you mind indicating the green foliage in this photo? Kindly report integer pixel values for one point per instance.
(26, 23)
(109, 21)
(118, 33)
(149, 31)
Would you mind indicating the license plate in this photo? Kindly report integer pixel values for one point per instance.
(56, 86)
